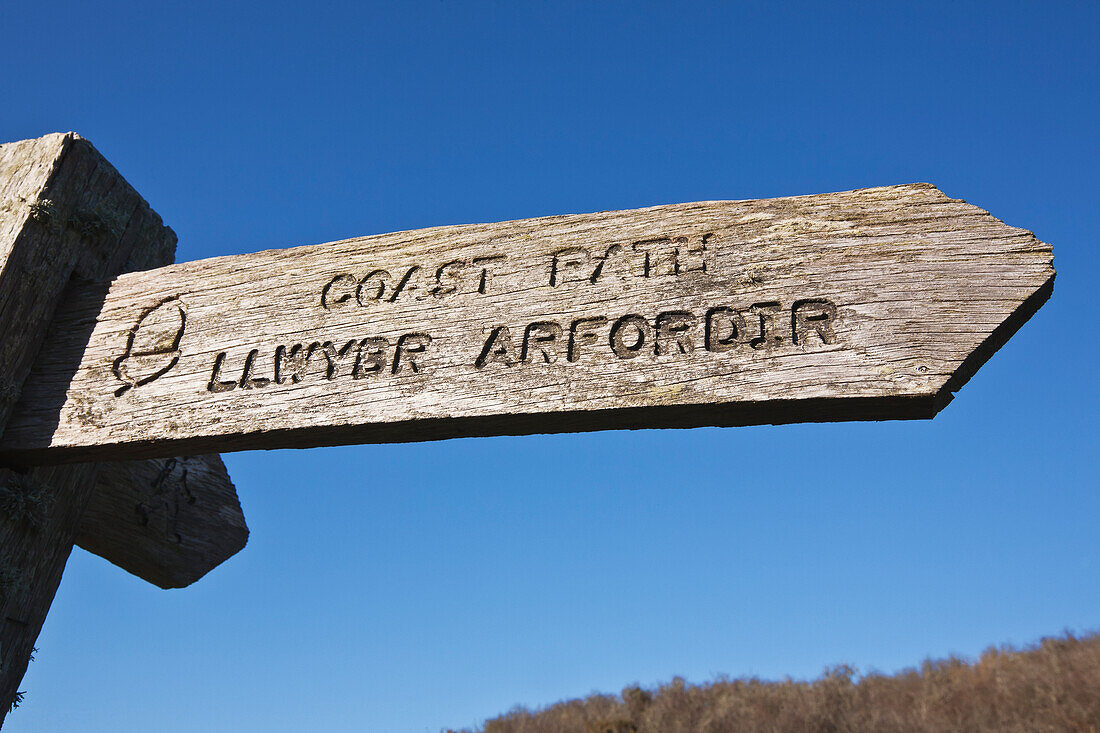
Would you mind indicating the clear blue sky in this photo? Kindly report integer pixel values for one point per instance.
(406, 588)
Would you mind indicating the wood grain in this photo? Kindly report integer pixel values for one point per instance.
(65, 213)
(869, 304)
(168, 522)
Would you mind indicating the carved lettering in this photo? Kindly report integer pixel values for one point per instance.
(339, 289)
(486, 271)
(217, 384)
(447, 278)
(371, 357)
(582, 333)
(409, 348)
(372, 287)
(725, 329)
(670, 333)
(647, 258)
(290, 361)
(568, 264)
(543, 336)
(615, 263)
(247, 380)
(165, 499)
(719, 329)
(674, 332)
(328, 351)
(768, 336)
(813, 315)
(659, 255)
(406, 284)
(330, 361)
(498, 349)
(690, 258)
(333, 357)
(629, 335)
(416, 282)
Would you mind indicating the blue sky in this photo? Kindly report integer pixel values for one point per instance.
(407, 587)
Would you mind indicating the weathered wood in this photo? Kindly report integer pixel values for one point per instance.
(41, 510)
(64, 213)
(166, 521)
(868, 304)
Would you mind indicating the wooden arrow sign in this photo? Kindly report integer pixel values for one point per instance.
(870, 304)
(169, 522)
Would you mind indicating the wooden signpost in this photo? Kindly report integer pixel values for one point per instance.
(168, 521)
(67, 215)
(863, 305)
(870, 304)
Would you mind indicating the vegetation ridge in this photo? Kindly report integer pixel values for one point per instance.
(1052, 685)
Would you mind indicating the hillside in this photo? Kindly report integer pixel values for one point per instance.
(1053, 685)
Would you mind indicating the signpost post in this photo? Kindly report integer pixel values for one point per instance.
(864, 305)
(67, 215)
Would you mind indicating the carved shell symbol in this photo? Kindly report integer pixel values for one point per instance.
(152, 347)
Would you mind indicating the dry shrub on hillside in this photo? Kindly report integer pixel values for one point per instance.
(1051, 686)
